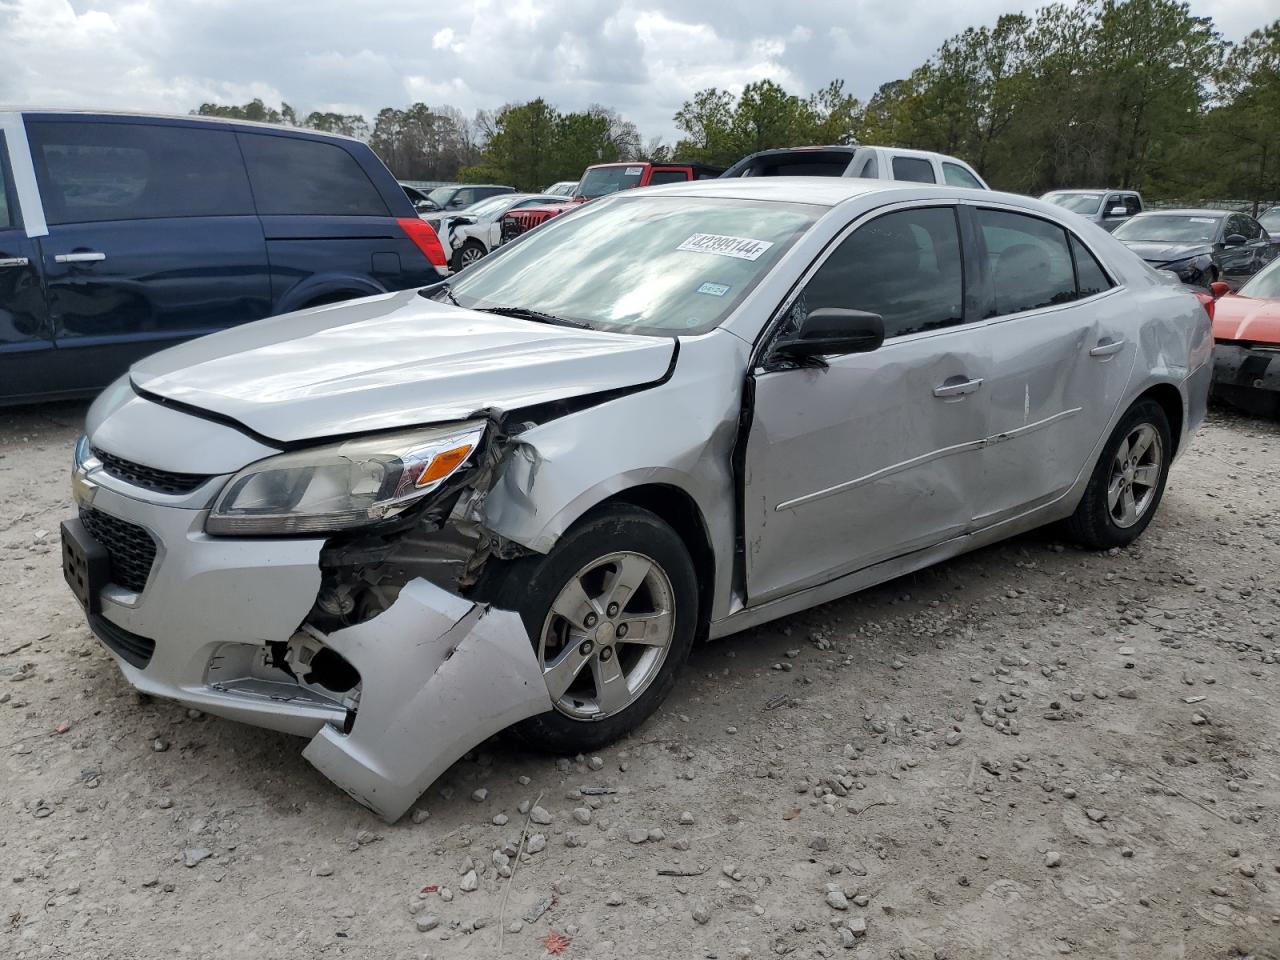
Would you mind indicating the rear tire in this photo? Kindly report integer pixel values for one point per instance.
(1128, 480)
(614, 602)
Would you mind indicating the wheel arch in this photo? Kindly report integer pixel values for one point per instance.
(1170, 400)
(678, 510)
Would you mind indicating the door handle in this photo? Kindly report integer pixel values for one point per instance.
(1106, 348)
(954, 387)
(14, 262)
(88, 257)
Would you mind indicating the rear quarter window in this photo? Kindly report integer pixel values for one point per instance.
(296, 177)
(914, 169)
(91, 172)
(1090, 277)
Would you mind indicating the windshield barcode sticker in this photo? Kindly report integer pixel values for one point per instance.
(741, 248)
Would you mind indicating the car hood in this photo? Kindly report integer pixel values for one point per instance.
(1167, 252)
(391, 361)
(1245, 318)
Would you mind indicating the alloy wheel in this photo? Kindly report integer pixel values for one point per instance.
(607, 635)
(1135, 475)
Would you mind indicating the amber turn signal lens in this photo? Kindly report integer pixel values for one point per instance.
(444, 464)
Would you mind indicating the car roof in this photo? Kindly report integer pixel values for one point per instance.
(1188, 212)
(1091, 190)
(88, 114)
(822, 191)
(462, 186)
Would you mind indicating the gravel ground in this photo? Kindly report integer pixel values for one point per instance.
(1027, 752)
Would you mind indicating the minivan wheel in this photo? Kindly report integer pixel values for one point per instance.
(470, 252)
(611, 612)
(1128, 481)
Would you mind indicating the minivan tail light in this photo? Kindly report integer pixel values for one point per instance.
(425, 239)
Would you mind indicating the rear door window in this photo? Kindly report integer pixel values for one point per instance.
(92, 172)
(1029, 262)
(958, 176)
(914, 169)
(905, 266)
(1132, 204)
(296, 177)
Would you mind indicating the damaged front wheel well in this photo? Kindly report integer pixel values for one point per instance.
(680, 512)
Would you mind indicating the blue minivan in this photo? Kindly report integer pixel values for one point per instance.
(121, 235)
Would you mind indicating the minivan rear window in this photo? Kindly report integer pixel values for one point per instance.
(296, 177)
(96, 171)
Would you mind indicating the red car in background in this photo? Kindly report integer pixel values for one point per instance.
(1246, 349)
(602, 179)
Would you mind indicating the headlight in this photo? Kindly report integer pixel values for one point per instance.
(1184, 269)
(342, 485)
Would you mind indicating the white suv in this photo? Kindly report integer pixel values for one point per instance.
(873, 163)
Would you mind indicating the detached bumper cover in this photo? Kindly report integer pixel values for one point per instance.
(440, 674)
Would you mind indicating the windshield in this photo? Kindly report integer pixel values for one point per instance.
(1077, 202)
(441, 196)
(1265, 284)
(654, 265)
(1271, 221)
(493, 206)
(600, 181)
(1168, 228)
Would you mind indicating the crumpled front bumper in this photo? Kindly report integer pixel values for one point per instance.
(439, 674)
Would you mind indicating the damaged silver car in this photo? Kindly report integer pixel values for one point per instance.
(399, 525)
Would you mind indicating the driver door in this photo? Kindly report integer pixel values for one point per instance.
(874, 454)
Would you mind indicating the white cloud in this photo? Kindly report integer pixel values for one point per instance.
(643, 57)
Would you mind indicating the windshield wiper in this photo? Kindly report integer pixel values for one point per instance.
(537, 316)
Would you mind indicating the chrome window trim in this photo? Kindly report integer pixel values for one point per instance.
(24, 175)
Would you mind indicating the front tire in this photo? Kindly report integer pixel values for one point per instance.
(1128, 481)
(470, 252)
(611, 612)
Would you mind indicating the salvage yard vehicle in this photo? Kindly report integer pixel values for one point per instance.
(470, 234)
(562, 188)
(874, 163)
(1246, 352)
(400, 525)
(123, 234)
(1199, 247)
(459, 196)
(600, 180)
(1107, 208)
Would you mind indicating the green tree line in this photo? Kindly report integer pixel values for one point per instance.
(1101, 93)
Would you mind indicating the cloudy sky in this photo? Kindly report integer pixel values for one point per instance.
(643, 58)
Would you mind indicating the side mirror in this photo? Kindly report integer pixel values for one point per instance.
(831, 331)
(1219, 288)
(1117, 212)
(1235, 240)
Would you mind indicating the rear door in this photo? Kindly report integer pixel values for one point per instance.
(152, 239)
(875, 454)
(1060, 357)
(330, 233)
(26, 340)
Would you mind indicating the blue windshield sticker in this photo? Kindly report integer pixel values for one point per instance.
(714, 289)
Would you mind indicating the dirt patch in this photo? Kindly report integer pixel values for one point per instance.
(1027, 752)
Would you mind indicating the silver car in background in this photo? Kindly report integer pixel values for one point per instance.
(1107, 208)
(399, 525)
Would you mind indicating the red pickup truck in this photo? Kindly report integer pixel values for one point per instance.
(602, 179)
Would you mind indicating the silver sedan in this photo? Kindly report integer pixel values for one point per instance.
(398, 525)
